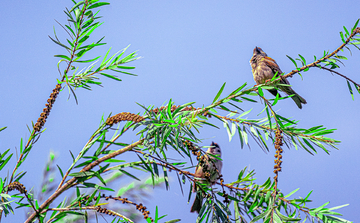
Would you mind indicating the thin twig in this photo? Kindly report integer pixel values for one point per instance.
(341, 75)
(314, 64)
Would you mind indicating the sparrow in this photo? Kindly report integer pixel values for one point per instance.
(208, 171)
(264, 68)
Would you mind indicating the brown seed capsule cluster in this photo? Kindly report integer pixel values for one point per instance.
(46, 111)
(143, 210)
(226, 198)
(17, 186)
(124, 200)
(192, 148)
(202, 160)
(124, 116)
(225, 195)
(105, 211)
(279, 150)
(157, 110)
(174, 107)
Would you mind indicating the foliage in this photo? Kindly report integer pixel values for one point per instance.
(160, 129)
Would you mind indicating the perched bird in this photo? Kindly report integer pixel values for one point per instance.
(264, 68)
(208, 170)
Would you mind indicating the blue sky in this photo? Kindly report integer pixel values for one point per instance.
(188, 49)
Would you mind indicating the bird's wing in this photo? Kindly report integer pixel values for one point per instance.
(270, 62)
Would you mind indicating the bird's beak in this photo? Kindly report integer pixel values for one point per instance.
(257, 49)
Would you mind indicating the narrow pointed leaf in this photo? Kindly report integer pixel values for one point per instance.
(219, 93)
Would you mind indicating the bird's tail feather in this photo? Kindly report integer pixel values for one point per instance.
(296, 97)
(299, 100)
(197, 202)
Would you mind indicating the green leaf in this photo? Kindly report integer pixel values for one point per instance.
(90, 46)
(260, 216)
(76, 6)
(99, 176)
(356, 87)
(240, 137)
(350, 90)
(342, 37)
(332, 60)
(111, 76)
(237, 212)
(291, 193)
(97, 5)
(172, 221)
(261, 93)
(60, 44)
(130, 175)
(244, 113)
(276, 99)
(245, 135)
(308, 143)
(123, 72)
(87, 23)
(219, 93)
(63, 56)
(314, 129)
(104, 59)
(84, 39)
(325, 132)
(356, 23)
(81, 53)
(21, 145)
(286, 218)
(125, 67)
(248, 99)
(276, 218)
(303, 59)
(341, 57)
(169, 110)
(224, 108)
(233, 130)
(2, 155)
(338, 207)
(166, 178)
(61, 172)
(285, 119)
(268, 194)
(306, 198)
(86, 61)
(114, 161)
(238, 89)
(77, 16)
(4, 162)
(71, 44)
(346, 31)
(83, 174)
(268, 115)
(320, 208)
(91, 28)
(69, 28)
(292, 60)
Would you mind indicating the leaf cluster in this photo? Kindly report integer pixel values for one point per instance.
(165, 142)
